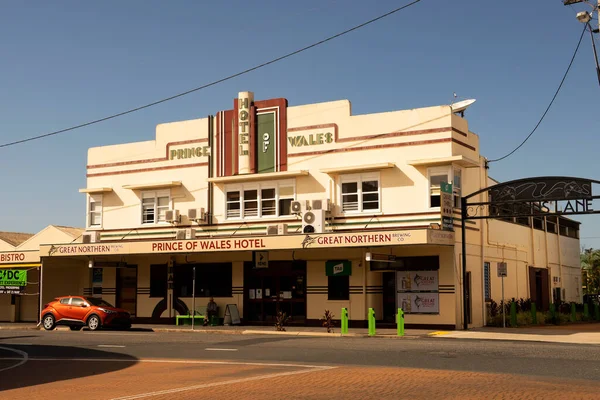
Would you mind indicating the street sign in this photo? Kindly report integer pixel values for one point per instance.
(261, 260)
(447, 206)
(502, 270)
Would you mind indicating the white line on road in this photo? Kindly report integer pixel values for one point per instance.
(109, 345)
(228, 382)
(22, 360)
(217, 349)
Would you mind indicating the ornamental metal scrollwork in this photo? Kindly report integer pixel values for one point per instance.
(475, 211)
(543, 189)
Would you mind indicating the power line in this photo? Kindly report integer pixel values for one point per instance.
(549, 105)
(214, 82)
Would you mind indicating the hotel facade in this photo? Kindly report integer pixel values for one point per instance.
(304, 209)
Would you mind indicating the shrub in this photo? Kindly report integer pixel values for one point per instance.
(328, 321)
(280, 320)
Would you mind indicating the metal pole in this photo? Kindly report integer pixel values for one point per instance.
(40, 286)
(193, 297)
(463, 217)
(594, 48)
(503, 305)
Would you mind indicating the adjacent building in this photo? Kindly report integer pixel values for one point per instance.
(300, 209)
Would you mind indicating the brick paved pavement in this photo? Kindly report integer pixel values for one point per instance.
(242, 381)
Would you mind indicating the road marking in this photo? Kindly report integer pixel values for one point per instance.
(109, 345)
(439, 333)
(228, 382)
(217, 349)
(22, 360)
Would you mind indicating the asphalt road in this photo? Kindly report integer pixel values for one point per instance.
(80, 357)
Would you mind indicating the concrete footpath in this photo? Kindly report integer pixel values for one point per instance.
(573, 333)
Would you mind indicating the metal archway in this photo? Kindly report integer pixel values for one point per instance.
(538, 196)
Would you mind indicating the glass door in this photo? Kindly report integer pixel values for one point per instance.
(127, 289)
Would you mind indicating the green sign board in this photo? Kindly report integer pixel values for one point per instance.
(446, 187)
(266, 142)
(338, 268)
(13, 277)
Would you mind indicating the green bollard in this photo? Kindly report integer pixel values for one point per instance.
(371, 322)
(533, 314)
(513, 314)
(553, 313)
(586, 311)
(597, 312)
(573, 314)
(400, 322)
(344, 326)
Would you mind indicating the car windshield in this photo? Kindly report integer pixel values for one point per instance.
(98, 302)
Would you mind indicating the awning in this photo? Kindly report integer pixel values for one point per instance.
(358, 168)
(95, 190)
(156, 185)
(459, 160)
(16, 266)
(269, 176)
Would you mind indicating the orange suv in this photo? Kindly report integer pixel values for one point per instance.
(78, 311)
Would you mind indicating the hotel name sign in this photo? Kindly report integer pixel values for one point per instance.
(300, 241)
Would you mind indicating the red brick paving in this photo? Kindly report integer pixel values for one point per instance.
(338, 383)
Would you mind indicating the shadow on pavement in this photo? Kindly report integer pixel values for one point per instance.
(62, 363)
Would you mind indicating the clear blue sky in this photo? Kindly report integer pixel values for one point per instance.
(68, 62)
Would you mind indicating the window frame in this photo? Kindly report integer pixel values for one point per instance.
(95, 198)
(359, 179)
(450, 171)
(242, 188)
(155, 194)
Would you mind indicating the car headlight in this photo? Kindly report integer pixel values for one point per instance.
(106, 311)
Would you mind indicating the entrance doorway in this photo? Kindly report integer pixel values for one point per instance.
(279, 288)
(127, 289)
(390, 308)
(539, 290)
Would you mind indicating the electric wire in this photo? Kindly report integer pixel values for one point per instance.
(214, 82)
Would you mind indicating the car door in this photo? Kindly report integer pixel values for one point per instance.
(78, 309)
(62, 308)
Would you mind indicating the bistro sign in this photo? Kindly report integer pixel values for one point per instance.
(19, 257)
(300, 241)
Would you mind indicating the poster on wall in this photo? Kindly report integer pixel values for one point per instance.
(13, 281)
(416, 281)
(419, 303)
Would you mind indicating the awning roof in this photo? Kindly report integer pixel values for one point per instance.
(258, 177)
(460, 160)
(26, 265)
(156, 185)
(358, 168)
(95, 190)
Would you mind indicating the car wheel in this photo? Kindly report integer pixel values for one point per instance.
(48, 322)
(76, 328)
(93, 323)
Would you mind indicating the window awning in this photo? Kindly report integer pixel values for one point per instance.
(460, 160)
(156, 185)
(268, 176)
(358, 168)
(15, 266)
(95, 190)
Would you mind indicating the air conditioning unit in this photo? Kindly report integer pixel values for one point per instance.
(90, 237)
(197, 214)
(279, 229)
(323, 204)
(299, 206)
(180, 234)
(172, 215)
(190, 233)
(313, 221)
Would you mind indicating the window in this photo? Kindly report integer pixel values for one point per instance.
(338, 288)
(538, 223)
(257, 201)
(487, 281)
(444, 174)
(551, 224)
(95, 210)
(211, 280)
(77, 302)
(158, 280)
(360, 193)
(155, 206)
(65, 300)
(456, 187)
(568, 228)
